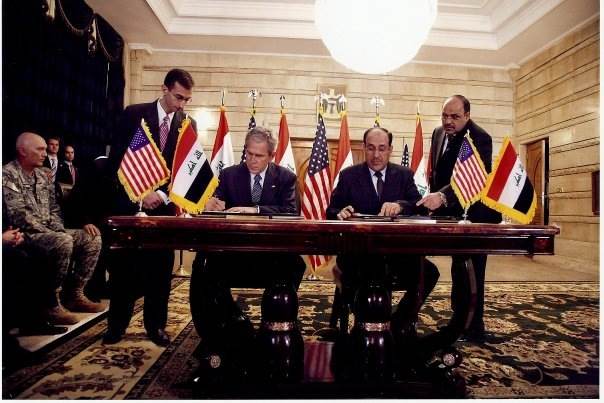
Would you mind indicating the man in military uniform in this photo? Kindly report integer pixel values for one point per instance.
(31, 205)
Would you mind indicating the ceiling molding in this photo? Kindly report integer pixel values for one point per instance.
(141, 46)
(463, 22)
(296, 20)
(495, 33)
(230, 27)
(247, 10)
(463, 39)
(524, 19)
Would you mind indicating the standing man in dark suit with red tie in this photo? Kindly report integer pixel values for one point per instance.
(446, 143)
(151, 270)
(67, 171)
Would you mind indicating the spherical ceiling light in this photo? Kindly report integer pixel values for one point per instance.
(374, 36)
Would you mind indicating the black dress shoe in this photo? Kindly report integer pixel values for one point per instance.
(112, 337)
(478, 336)
(159, 337)
(327, 333)
(44, 328)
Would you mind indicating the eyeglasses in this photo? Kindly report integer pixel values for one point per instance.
(180, 98)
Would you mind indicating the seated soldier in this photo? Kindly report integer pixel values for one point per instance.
(257, 187)
(379, 187)
(31, 205)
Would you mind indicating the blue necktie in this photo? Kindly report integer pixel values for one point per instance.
(256, 190)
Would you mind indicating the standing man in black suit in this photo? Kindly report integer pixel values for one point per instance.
(151, 270)
(380, 187)
(257, 186)
(446, 142)
(52, 158)
(67, 171)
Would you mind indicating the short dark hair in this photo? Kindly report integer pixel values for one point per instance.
(179, 76)
(261, 134)
(388, 132)
(464, 100)
(53, 137)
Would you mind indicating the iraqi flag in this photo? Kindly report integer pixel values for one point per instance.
(418, 161)
(344, 159)
(508, 189)
(193, 181)
(284, 155)
(222, 153)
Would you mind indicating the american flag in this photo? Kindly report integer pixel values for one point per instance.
(142, 168)
(250, 126)
(469, 175)
(317, 183)
(405, 160)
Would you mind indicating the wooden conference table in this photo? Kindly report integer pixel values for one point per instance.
(217, 233)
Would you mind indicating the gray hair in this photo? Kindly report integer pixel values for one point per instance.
(261, 134)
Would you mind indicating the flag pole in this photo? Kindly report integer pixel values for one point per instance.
(140, 212)
(465, 210)
(312, 276)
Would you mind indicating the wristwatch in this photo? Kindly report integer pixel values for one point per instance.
(443, 198)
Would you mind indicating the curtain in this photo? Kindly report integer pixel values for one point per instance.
(62, 75)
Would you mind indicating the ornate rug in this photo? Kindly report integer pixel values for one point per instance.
(545, 344)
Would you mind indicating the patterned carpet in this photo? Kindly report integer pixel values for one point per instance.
(545, 345)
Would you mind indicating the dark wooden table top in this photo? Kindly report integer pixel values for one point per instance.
(285, 234)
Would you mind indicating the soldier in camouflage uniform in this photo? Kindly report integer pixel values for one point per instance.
(29, 198)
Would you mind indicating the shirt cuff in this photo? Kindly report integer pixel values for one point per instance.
(163, 196)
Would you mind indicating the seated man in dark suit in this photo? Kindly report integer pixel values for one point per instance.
(257, 186)
(379, 187)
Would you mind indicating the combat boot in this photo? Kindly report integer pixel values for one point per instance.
(56, 314)
(76, 301)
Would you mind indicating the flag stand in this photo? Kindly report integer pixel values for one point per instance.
(140, 212)
(181, 268)
(465, 216)
(313, 277)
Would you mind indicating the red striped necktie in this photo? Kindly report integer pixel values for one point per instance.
(164, 128)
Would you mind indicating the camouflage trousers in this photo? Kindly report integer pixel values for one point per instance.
(61, 249)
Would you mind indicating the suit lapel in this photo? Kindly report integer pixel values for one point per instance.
(437, 148)
(243, 182)
(366, 184)
(390, 191)
(174, 126)
(153, 121)
(268, 188)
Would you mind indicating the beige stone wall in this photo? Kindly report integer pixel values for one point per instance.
(556, 96)
(298, 78)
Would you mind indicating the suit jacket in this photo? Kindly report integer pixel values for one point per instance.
(64, 174)
(46, 164)
(278, 190)
(355, 188)
(130, 120)
(478, 212)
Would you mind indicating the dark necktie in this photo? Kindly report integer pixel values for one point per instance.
(257, 189)
(379, 185)
(164, 128)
